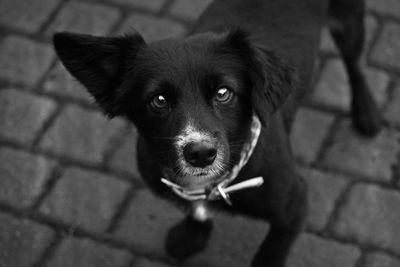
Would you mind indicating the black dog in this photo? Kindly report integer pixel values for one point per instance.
(217, 106)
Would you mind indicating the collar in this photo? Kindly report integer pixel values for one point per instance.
(221, 189)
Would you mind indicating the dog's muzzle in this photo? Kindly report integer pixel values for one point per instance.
(221, 189)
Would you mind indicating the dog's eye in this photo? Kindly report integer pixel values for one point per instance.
(159, 102)
(224, 95)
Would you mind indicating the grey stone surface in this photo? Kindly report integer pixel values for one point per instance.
(387, 50)
(23, 115)
(59, 82)
(371, 158)
(23, 60)
(85, 198)
(333, 88)
(89, 18)
(22, 241)
(392, 112)
(146, 222)
(376, 259)
(313, 251)
(23, 176)
(88, 253)
(309, 130)
(143, 262)
(371, 216)
(81, 134)
(151, 5)
(189, 9)
(323, 192)
(20, 15)
(386, 7)
(125, 159)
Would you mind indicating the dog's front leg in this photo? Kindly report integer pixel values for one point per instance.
(284, 229)
(191, 234)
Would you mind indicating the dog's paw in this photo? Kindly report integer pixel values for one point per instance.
(366, 116)
(187, 238)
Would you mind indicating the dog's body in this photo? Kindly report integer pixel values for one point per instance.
(193, 101)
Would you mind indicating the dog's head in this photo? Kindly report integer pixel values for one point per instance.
(191, 99)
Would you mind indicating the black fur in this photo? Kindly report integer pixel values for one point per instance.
(268, 67)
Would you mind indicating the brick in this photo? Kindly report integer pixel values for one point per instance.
(153, 28)
(85, 198)
(151, 5)
(323, 192)
(81, 134)
(371, 26)
(371, 158)
(147, 221)
(393, 109)
(234, 242)
(18, 15)
(309, 131)
(125, 159)
(88, 253)
(24, 61)
(386, 52)
(313, 251)
(327, 44)
(59, 82)
(22, 242)
(371, 216)
(189, 9)
(87, 18)
(333, 88)
(386, 7)
(142, 262)
(23, 176)
(22, 115)
(377, 259)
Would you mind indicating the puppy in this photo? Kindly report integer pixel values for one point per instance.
(214, 109)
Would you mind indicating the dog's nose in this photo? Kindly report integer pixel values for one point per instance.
(199, 154)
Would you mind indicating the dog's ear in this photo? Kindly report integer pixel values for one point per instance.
(98, 63)
(272, 79)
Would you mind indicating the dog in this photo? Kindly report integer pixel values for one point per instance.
(214, 109)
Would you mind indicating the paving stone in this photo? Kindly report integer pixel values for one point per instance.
(371, 158)
(189, 9)
(309, 131)
(386, 7)
(386, 51)
(146, 222)
(85, 198)
(142, 262)
(23, 176)
(152, 28)
(377, 259)
(125, 159)
(81, 134)
(86, 18)
(323, 191)
(29, 18)
(22, 242)
(327, 44)
(371, 216)
(392, 112)
(234, 242)
(24, 61)
(151, 5)
(313, 251)
(22, 115)
(88, 253)
(333, 88)
(60, 82)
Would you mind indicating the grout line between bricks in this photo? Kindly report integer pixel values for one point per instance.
(49, 251)
(52, 17)
(121, 210)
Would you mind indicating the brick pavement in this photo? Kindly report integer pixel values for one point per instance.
(70, 192)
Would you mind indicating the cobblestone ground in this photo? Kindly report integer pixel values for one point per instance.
(70, 193)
